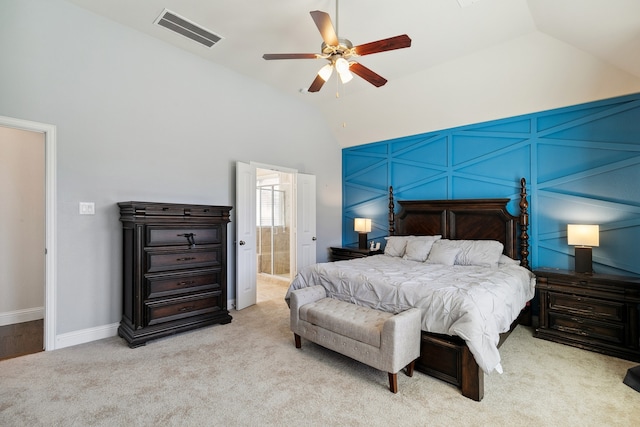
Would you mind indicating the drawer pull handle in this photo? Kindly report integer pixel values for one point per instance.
(188, 308)
(189, 258)
(188, 282)
(190, 239)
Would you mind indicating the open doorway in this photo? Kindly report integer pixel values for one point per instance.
(25, 308)
(300, 219)
(275, 242)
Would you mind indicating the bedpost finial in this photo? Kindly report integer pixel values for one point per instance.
(392, 218)
(524, 225)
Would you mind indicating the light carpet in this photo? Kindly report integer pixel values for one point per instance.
(249, 373)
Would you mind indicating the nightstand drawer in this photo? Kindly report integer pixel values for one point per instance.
(602, 331)
(597, 312)
(589, 307)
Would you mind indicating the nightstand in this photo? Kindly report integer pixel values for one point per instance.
(351, 252)
(598, 312)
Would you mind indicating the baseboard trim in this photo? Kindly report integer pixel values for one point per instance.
(21, 316)
(86, 335)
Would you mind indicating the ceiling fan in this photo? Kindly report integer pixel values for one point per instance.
(341, 54)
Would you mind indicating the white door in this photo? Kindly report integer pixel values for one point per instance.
(246, 292)
(246, 253)
(49, 132)
(305, 220)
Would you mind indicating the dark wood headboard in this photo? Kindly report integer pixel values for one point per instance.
(471, 219)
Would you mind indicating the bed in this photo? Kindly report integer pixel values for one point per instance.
(468, 306)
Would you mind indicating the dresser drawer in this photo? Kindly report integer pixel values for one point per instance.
(180, 260)
(176, 284)
(585, 306)
(180, 308)
(601, 331)
(160, 209)
(171, 236)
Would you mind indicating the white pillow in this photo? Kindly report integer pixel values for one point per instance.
(505, 260)
(395, 245)
(478, 252)
(442, 253)
(418, 247)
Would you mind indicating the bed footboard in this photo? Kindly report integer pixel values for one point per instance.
(448, 358)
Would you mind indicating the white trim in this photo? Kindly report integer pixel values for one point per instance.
(50, 219)
(86, 335)
(21, 316)
(273, 167)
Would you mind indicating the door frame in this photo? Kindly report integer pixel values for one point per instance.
(49, 132)
(252, 165)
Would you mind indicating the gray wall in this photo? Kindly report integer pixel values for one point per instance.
(140, 120)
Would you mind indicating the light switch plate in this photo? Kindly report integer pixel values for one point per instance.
(87, 208)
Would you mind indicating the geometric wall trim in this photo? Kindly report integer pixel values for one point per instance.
(582, 165)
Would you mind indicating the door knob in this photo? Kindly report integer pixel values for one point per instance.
(314, 238)
(241, 242)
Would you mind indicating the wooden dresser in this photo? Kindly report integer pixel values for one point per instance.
(174, 269)
(596, 312)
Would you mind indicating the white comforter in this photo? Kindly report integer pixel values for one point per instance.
(474, 303)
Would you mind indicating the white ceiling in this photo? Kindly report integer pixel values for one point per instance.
(443, 33)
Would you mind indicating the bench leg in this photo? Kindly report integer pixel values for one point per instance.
(297, 339)
(410, 367)
(393, 382)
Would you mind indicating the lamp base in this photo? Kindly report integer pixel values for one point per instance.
(362, 240)
(583, 260)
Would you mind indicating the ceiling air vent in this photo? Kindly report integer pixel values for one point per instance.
(186, 28)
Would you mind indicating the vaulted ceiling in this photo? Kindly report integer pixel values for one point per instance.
(470, 60)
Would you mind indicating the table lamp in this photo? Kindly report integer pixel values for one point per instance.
(362, 226)
(583, 237)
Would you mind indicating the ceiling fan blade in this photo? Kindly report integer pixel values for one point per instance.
(323, 22)
(316, 85)
(290, 56)
(392, 43)
(370, 76)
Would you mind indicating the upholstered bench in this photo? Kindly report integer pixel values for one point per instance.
(385, 341)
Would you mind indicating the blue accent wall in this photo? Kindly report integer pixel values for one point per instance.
(581, 163)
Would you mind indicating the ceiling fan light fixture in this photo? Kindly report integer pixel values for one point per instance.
(342, 65)
(345, 76)
(325, 72)
(340, 52)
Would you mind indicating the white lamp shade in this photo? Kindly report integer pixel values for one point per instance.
(583, 235)
(325, 72)
(342, 65)
(362, 225)
(345, 76)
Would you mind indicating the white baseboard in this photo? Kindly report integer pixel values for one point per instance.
(86, 335)
(21, 316)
